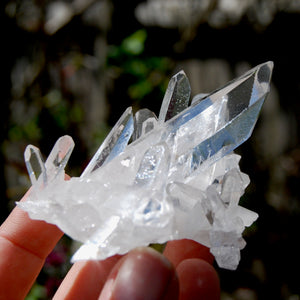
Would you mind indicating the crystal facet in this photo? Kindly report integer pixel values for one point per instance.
(177, 97)
(114, 143)
(154, 180)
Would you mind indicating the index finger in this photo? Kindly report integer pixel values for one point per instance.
(193, 262)
(24, 246)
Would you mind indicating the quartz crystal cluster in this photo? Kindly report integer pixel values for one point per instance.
(155, 179)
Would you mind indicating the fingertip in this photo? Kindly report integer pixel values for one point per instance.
(179, 250)
(197, 280)
(142, 274)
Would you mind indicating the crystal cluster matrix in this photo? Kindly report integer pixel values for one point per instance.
(155, 179)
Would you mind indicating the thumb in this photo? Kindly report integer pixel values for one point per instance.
(142, 274)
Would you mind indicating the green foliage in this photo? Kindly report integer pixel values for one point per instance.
(134, 44)
(29, 131)
(76, 113)
(145, 73)
(58, 108)
(62, 111)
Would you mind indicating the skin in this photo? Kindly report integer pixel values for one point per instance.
(183, 271)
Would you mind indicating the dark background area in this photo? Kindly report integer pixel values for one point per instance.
(78, 79)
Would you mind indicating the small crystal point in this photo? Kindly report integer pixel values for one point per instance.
(154, 165)
(227, 257)
(177, 97)
(59, 156)
(232, 187)
(144, 121)
(187, 195)
(35, 164)
(114, 144)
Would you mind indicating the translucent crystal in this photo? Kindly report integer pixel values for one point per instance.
(114, 143)
(227, 257)
(154, 165)
(35, 164)
(177, 97)
(144, 121)
(59, 156)
(157, 180)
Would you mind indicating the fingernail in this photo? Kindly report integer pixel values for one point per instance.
(144, 274)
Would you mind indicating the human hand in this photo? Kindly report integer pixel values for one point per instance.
(183, 272)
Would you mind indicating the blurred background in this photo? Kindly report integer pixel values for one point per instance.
(73, 66)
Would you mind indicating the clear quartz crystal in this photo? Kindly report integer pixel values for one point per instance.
(144, 121)
(35, 164)
(154, 165)
(59, 156)
(157, 180)
(177, 97)
(42, 173)
(114, 143)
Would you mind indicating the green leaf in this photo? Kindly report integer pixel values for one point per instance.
(134, 44)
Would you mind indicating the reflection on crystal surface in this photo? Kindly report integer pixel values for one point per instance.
(178, 178)
(114, 143)
(177, 97)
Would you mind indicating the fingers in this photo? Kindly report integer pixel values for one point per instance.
(177, 251)
(142, 274)
(198, 280)
(24, 245)
(86, 279)
(197, 277)
(146, 274)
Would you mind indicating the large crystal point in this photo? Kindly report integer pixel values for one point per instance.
(178, 178)
(227, 118)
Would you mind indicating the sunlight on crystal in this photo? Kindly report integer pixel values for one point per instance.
(158, 179)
